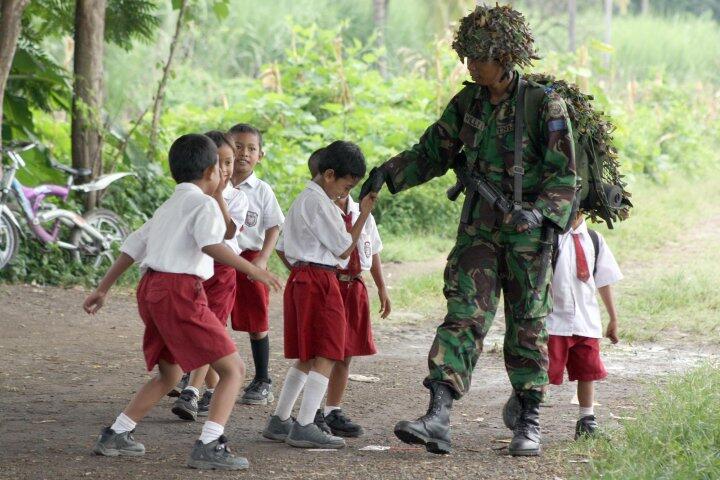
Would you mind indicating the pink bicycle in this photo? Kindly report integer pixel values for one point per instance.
(92, 235)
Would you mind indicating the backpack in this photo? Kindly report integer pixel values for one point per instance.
(601, 192)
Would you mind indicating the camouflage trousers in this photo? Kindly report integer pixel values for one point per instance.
(479, 267)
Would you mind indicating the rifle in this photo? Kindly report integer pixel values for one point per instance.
(474, 185)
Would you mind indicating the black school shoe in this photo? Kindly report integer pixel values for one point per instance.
(186, 406)
(586, 427)
(204, 404)
(215, 456)
(111, 444)
(341, 425)
(320, 422)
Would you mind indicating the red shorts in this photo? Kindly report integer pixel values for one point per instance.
(581, 356)
(358, 336)
(220, 291)
(250, 312)
(180, 328)
(314, 315)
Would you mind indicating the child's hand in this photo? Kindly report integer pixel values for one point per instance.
(612, 331)
(94, 302)
(217, 194)
(269, 279)
(385, 307)
(260, 262)
(368, 202)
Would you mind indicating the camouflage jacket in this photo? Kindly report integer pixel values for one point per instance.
(486, 133)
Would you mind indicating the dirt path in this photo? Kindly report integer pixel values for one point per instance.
(65, 374)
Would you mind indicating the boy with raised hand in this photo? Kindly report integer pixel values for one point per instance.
(175, 250)
(315, 243)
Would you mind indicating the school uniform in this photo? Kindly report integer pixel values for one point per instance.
(314, 235)
(220, 288)
(574, 325)
(359, 338)
(179, 326)
(250, 312)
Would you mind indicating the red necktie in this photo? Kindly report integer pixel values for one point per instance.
(583, 273)
(353, 267)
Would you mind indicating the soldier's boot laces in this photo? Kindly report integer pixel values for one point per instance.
(433, 428)
(526, 435)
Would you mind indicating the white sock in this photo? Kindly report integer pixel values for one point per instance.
(192, 389)
(210, 390)
(123, 424)
(211, 431)
(330, 408)
(315, 389)
(294, 382)
(585, 411)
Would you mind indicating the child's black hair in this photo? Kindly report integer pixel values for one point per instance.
(220, 139)
(345, 158)
(190, 155)
(314, 161)
(247, 128)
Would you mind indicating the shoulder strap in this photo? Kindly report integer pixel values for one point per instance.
(596, 247)
(518, 170)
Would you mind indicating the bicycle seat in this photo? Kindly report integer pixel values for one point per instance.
(75, 172)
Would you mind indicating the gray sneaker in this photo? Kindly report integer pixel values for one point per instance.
(186, 406)
(177, 389)
(204, 404)
(215, 456)
(277, 429)
(111, 444)
(310, 436)
(259, 392)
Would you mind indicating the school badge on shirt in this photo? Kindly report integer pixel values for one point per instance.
(251, 219)
(366, 248)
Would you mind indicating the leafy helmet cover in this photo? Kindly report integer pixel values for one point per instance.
(498, 33)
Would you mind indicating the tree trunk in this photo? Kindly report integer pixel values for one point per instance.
(87, 102)
(380, 8)
(572, 15)
(645, 7)
(10, 16)
(160, 95)
(608, 27)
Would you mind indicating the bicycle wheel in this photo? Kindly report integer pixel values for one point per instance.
(92, 252)
(9, 240)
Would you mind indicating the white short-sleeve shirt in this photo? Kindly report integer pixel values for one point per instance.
(237, 203)
(369, 242)
(314, 230)
(263, 213)
(171, 241)
(575, 307)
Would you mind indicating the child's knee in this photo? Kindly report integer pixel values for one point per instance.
(230, 368)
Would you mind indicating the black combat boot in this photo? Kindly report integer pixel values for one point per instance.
(526, 435)
(433, 428)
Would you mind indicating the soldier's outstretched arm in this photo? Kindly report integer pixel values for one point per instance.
(559, 177)
(431, 157)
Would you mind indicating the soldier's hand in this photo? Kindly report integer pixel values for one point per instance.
(525, 220)
(375, 182)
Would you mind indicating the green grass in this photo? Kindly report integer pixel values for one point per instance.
(677, 437)
(415, 248)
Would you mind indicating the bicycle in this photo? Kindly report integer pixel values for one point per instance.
(92, 235)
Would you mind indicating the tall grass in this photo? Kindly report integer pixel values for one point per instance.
(676, 438)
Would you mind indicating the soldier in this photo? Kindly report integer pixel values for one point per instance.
(494, 251)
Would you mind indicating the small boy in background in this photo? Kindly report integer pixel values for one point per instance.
(256, 241)
(220, 288)
(359, 338)
(315, 242)
(175, 250)
(585, 265)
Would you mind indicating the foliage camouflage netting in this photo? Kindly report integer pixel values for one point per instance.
(499, 33)
(593, 133)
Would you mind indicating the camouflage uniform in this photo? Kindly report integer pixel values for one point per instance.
(489, 255)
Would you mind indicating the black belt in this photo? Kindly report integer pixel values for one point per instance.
(346, 277)
(316, 265)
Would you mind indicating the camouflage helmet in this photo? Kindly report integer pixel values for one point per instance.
(498, 33)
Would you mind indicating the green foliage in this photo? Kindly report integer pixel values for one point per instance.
(676, 437)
